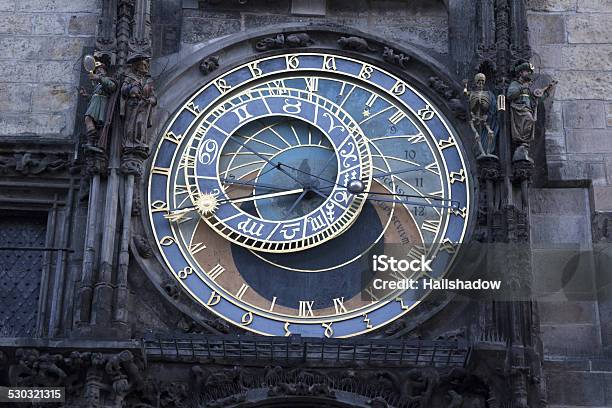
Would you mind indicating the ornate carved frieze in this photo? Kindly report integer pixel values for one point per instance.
(296, 40)
(27, 163)
(354, 43)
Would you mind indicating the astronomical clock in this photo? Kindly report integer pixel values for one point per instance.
(275, 183)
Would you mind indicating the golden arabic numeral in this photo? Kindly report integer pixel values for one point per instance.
(443, 144)
(166, 241)
(366, 320)
(426, 113)
(159, 205)
(172, 137)
(399, 88)
(457, 176)
(329, 331)
(459, 212)
(195, 109)
(401, 302)
(366, 71)
(222, 86)
(255, 70)
(286, 327)
(247, 318)
(329, 63)
(214, 299)
(184, 273)
(448, 246)
(292, 62)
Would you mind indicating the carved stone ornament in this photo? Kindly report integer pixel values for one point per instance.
(355, 44)
(209, 64)
(33, 163)
(121, 379)
(296, 40)
(396, 58)
(142, 246)
(132, 160)
(449, 94)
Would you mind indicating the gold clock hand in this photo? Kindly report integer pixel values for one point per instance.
(262, 196)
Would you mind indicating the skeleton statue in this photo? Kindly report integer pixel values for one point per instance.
(97, 114)
(524, 109)
(138, 100)
(482, 115)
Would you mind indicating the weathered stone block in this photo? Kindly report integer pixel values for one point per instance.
(571, 169)
(49, 24)
(38, 124)
(203, 29)
(7, 5)
(564, 312)
(609, 113)
(555, 144)
(43, 48)
(70, 6)
(562, 274)
(589, 141)
(595, 5)
(599, 57)
(552, 5)
(591, 28)
(11, 23)
(309, 7)
(559, 201)
(82, 24)
(546, 28)
(554, 117)
(583, 114)
(57, 72)
(53, 98)
(18, 71)
(15, 97)
(583, 85)
(549, 55)
(602, 198)
(575, 388)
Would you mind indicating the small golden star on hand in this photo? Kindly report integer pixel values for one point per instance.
(366, 113)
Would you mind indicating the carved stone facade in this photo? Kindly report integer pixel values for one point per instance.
(100, 306)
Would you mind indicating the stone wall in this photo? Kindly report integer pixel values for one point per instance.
(41, 43)
(572, 40)
(420, 22)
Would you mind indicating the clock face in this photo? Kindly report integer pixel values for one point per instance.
(275, 184)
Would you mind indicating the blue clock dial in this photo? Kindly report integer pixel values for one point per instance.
(273, 186)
